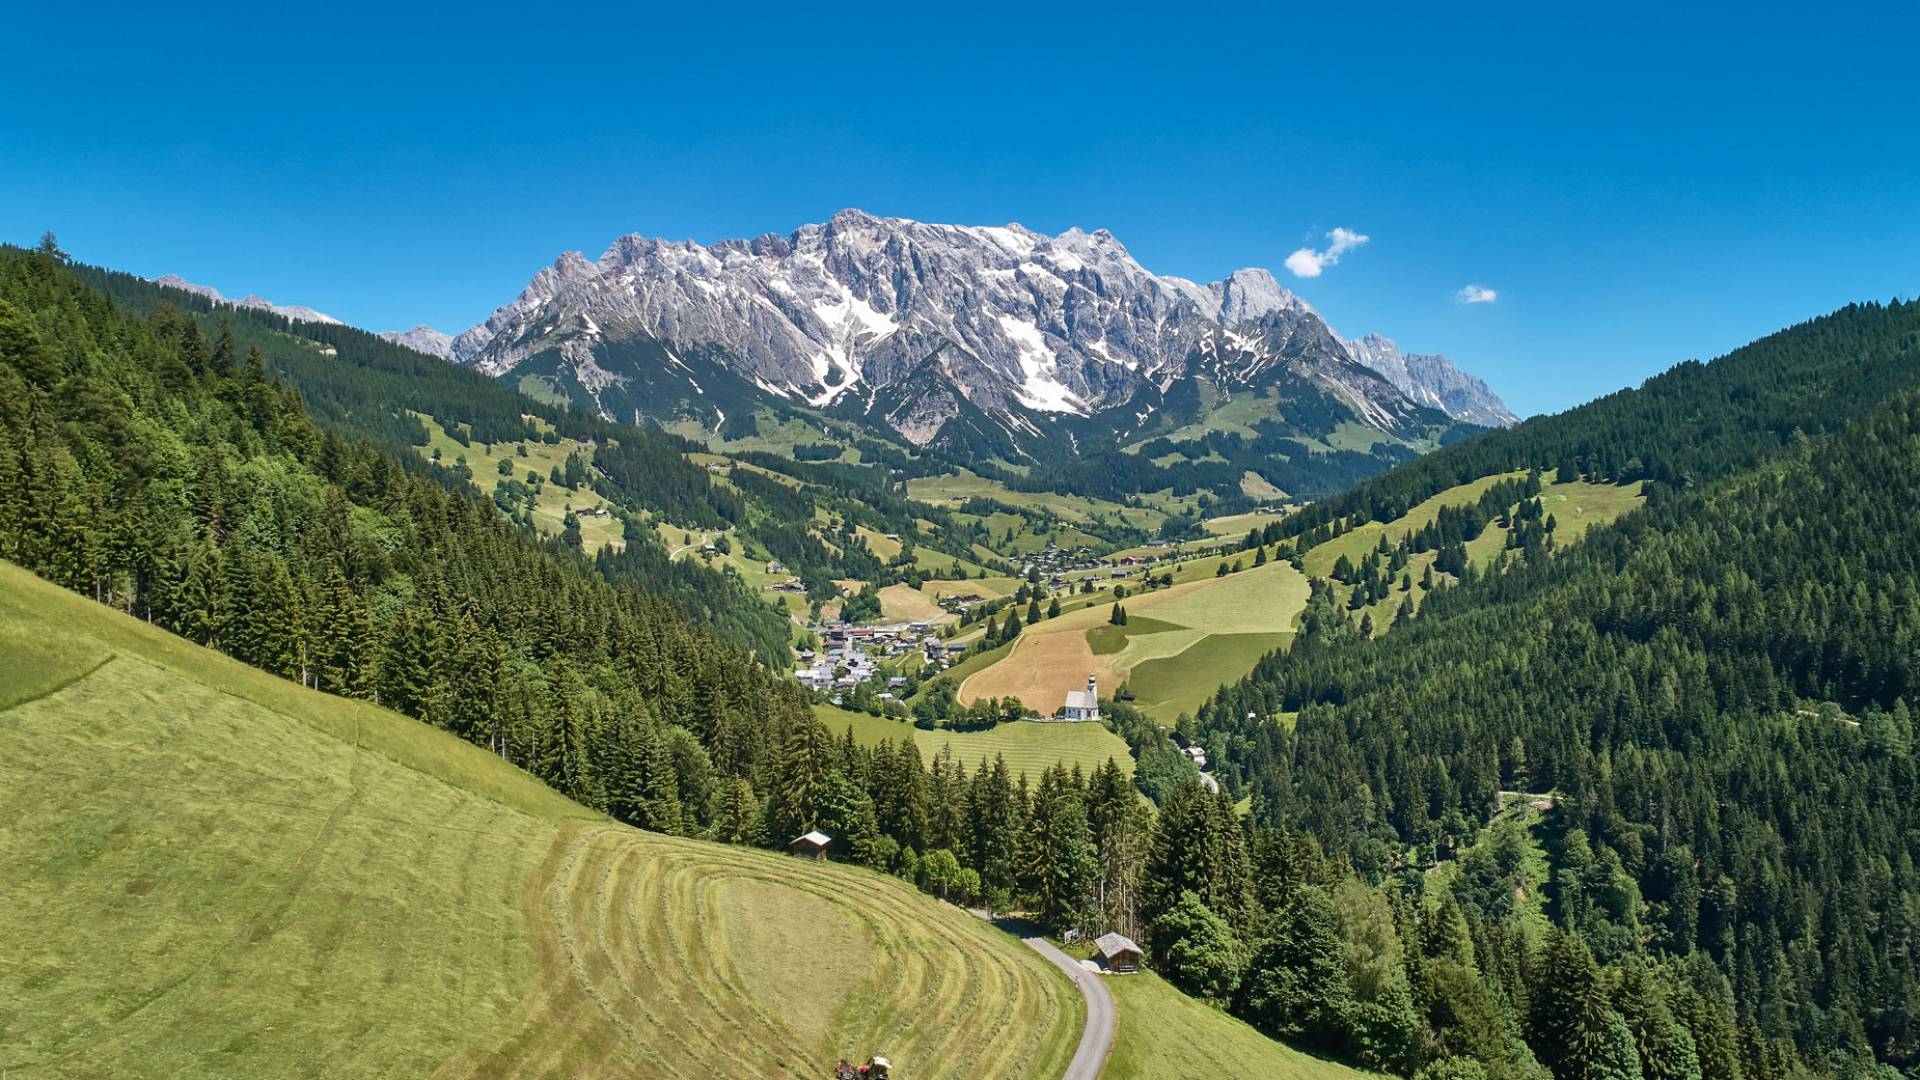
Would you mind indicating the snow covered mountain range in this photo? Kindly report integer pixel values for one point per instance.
(919, 326)
(981, 341)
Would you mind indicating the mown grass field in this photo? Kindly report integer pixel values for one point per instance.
(1180, 644)
(903, 601)
(208, 871)
(1165, 687)
(1165, 1033)
(1028, 747)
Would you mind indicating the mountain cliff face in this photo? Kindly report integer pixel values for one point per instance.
(1433, 381)
(901, 322)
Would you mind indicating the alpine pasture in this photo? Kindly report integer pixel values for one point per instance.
(1028, 747)
(209, 871)
(1254, 607)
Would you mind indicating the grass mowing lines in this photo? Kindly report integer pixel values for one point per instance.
(677, 959)
(209, 871)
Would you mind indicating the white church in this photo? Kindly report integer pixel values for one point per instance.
(1083, 704)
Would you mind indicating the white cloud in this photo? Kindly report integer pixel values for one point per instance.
(1309, 263)
(1476, 294)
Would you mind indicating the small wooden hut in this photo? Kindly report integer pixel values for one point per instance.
(1118, 952)
(812, 845)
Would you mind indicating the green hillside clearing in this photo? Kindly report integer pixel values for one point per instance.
(1165, 1033)
(1029, 747)
(551, 500)
(212, 872)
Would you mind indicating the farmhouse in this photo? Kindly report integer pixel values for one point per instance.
(1118, 952)
(813, 845)
(1082, 704)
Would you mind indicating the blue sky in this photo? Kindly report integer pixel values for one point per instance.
(1637, 184)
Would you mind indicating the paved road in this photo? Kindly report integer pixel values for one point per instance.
(1096, 1040)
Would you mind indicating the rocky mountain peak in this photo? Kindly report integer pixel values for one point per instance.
(422, 338)
(840, 310)
(1434, 381)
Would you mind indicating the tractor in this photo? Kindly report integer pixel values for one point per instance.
(876, 1068)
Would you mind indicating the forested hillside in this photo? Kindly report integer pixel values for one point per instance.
(158, 472)
(1687, 426)
(1643, 805)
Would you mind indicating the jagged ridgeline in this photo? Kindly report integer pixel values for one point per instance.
(1677, 752)
(998, 348)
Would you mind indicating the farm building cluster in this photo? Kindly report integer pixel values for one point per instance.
(1061, 568)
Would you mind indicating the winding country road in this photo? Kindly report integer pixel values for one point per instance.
(1096, 1039)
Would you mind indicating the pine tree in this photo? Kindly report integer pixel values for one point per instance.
(803, 774)
(1296, 983)
(1568, 1027)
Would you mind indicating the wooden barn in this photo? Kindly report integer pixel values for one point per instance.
(813, 845)
(1118, 953)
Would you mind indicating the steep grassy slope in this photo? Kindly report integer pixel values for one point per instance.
(208, 871)
(1163, 1032)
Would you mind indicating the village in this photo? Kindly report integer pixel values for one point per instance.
(852, 655)
(841, 656)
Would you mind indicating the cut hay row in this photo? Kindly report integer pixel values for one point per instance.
(656, 960)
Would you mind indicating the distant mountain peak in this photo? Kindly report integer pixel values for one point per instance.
(422, 338)
(1433, 381)
(250, 301)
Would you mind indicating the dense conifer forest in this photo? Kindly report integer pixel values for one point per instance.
(1715, 697)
